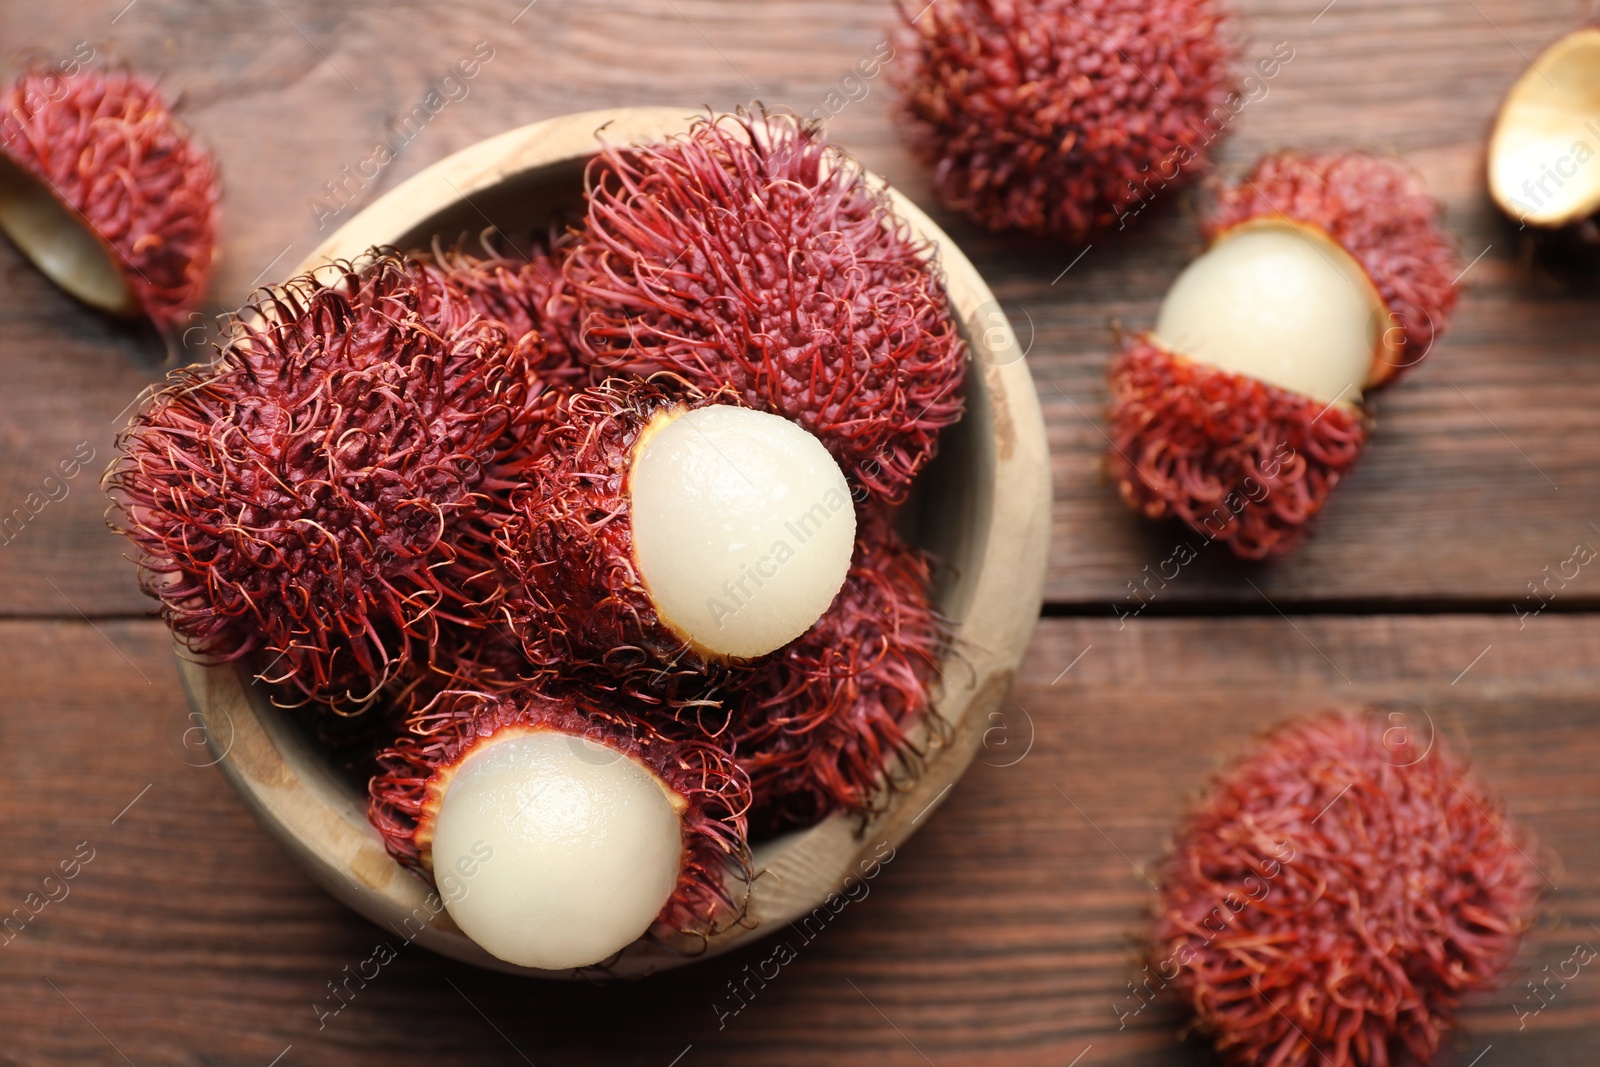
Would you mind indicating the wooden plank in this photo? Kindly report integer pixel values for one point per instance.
(1003, 933)
(1479, 475)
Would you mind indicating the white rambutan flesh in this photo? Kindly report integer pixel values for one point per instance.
(565, 850)
(743, 527)
(1282, 303)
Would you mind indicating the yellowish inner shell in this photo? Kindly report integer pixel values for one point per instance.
(1544, 154)
(60, 242)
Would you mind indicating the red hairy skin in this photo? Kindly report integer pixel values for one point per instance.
(751, 253)
(107, 145)
(1377, 210)
(820, 725)
(322, 495)
(406, 790)
(1237, 460)
(1062, 117)
(528, 296)
(1337, 894)
(574, 593)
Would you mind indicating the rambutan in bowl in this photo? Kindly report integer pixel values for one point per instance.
(982, 508)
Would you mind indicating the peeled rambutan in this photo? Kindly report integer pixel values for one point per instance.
(1378, 212)
(1060, 116)
(662, 534)
(1240, 413)
(108, 193)
(323, 493)
(1337, 894)
(568, 828)
(751, 253)
(821, 725)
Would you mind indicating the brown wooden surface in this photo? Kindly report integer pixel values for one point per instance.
(1001, 933)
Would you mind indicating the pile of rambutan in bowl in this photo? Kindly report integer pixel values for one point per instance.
(473, 623)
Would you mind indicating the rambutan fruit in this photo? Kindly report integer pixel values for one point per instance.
(750, 253)
(821, 725)
(527, 296)
(1542, 154)
(1335, 896)
(1326, 275)
(664, 533)
(107, 193)
(1063, 117)
(567, 829)
(323, 493)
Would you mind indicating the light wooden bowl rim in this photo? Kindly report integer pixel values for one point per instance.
(322, 822)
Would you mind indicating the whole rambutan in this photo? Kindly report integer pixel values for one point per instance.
(821, 725)
(323, 493)
(1063, 116)
(664, 534)
(120, 204)
(751, 253)
(1337, 894)
(1326, 275)
(528, 296)
(566, 827)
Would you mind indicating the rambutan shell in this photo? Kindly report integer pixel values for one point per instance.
(106, 146)
(750, 253)
(713, 791)
(575, 596)
(1060, 116)
(1553, 103)
(1377, 210)
(826, 723)
(1337, 894)
(323, 493)
(528, 296)
(1235, 459)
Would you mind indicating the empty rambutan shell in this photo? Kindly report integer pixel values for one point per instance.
(1063, 116)
(108, 193)
(1240, 413)
(662, 534)
(825, 724)
(559, 831)
(323, 493)
(750, 253)
(1337, 894)
(1542, 153)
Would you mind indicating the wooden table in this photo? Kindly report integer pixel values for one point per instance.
(1004, 932)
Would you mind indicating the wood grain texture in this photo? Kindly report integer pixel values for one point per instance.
(1478, 477)
(1002, 933)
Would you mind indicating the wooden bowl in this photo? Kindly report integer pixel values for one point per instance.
(983, 509)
